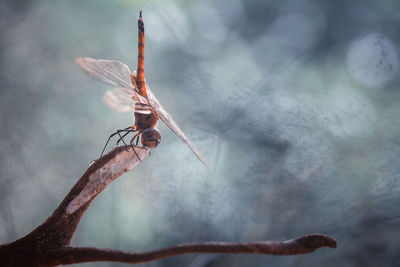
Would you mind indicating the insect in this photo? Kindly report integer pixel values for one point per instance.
(132, 93)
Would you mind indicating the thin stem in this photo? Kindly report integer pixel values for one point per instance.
(301, 245)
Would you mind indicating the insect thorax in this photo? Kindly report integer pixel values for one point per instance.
(144, 121)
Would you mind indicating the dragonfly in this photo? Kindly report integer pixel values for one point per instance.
(131, 93)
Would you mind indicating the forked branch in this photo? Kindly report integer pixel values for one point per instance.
(48, 244)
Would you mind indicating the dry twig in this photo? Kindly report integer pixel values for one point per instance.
(48, 244)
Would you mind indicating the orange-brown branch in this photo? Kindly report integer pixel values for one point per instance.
(301, 245)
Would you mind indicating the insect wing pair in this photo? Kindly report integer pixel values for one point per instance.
(125, 96)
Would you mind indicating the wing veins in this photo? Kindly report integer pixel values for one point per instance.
(170, 122)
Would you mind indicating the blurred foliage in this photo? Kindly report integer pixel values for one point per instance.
(294, 103)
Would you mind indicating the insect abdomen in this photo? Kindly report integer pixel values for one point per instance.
(140, 68)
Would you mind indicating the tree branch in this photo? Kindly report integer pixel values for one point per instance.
(58, 229)
(301, 245)
(48, 244)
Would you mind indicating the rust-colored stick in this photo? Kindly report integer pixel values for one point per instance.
(301, 245)
(140, 67)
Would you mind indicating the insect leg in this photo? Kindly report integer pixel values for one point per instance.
(130, 130)
(108, 140)
(122, 138)
(136, 153)
(111, 136)
(135, 136)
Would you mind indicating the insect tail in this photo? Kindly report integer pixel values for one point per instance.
(140, 67)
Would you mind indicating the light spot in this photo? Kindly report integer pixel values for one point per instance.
(372, 60)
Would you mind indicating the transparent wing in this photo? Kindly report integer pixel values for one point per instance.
(169, 121)
(112, 72)
(125, 100)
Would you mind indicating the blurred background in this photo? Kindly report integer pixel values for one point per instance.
(294, 103)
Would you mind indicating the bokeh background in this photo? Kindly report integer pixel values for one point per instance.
(294, 103)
